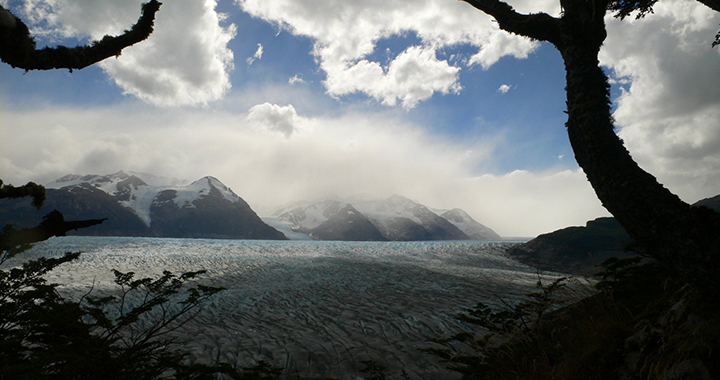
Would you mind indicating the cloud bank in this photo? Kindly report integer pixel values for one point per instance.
(351, 154)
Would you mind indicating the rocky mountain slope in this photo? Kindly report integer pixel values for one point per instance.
(578, 250)
(396, 219)
(469, 226)
(159, 207)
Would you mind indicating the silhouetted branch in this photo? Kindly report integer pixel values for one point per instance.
(53, 224)
(713, 4)
(539, 26)
(18, 49)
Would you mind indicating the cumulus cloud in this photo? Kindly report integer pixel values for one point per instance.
(258, 55)
(411, 77)
(348, 154)
(346, 33)
(670, 113)
(504, 88)
(186, 60)
(282, 119)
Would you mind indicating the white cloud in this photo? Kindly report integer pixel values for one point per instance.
(349, 154)
(258, 55)
(184, 62)
(346, 33)
(296, 79)
(283, 119)
(670, 113)
(413, 76)
(504, 88)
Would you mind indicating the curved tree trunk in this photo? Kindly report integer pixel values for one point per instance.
(681, 237)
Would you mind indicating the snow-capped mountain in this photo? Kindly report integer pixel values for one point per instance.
(396, 218)
(469, 226)
(347, 224)
(305, 216)
(399, 218)
(155, 206)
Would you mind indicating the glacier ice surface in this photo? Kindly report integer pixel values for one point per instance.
(316, 308)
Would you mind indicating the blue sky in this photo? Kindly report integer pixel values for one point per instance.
(285, 100)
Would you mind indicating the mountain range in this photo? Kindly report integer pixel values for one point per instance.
(395, 219)
(139, 204)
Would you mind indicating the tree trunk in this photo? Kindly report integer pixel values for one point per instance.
(683, 238)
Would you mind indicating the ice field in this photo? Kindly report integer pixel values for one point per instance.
(314, 308)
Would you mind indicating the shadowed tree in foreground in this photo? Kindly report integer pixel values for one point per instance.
(679, 236)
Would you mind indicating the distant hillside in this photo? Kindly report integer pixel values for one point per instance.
(578, 250)
(711, 203)
(205, 208)
(575, 249)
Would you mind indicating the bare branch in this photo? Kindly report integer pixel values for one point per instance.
(538, 26)
(18, 49)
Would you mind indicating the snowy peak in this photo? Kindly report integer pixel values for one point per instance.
(154, 180)
(100, 181)
(133, 192)
(185, 196)
(395, 218)
(347, 224)
(395, 205)
(469, 226)
(399, 218)
(456, 215)
(311, 215)
(165, 207)
(63, 181)
(127, 187)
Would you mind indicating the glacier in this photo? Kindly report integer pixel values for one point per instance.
(315, 308)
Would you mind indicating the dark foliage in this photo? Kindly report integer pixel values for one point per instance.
(500, 329)
(625, 8)
(31, 189)
(125, 334)
(637, 322)
(114, 337)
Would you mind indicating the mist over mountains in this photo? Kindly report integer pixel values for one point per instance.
(139, 204)
(394, 219)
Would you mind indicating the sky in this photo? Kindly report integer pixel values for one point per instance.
(287, 100)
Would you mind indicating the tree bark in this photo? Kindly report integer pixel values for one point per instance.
(681, 237)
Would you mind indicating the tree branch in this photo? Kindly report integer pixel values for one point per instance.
(539, 26)
(53, 224)
(18, 49)
(713, 4)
